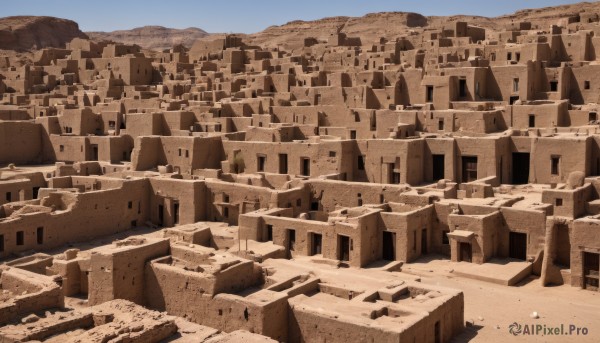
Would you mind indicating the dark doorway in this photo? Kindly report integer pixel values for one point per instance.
(531, 120)
(554, 86)
(94, 152)
(555, 165)
(396, 177)
(176, 213)
(389, 246)
(269, 233)
(520, 168)
(317, 244)
(517, 245)
(20, 238)
(291, 239)
(469, 168)
(40, 235)
(437, 333)
(423, 241)
(36, 191)
(429, 94)
(344, 248)
(283, 163)
(360, 162)
(161, 214)
(305, 162)
(513, 99)
(438, 167)
(261, 163)
(393, 176)
(462, 88)
(465, 253)
(389, 170)
(591, 268)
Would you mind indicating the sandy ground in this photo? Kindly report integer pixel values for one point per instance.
(492, 308)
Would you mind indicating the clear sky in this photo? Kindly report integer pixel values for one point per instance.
(245, 16)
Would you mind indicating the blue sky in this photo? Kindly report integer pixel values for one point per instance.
(245, 15)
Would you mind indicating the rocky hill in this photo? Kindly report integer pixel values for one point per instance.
(394, 24)
(368, 27)
(152, 37)
(33, 32)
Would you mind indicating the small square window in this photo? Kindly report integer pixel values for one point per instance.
(559, 202)
(332, 154)
(62, 148)
(586, 84)
(130, 205)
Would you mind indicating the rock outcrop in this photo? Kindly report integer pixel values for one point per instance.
(22, 33)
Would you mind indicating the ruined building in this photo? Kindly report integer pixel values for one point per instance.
(252, 190)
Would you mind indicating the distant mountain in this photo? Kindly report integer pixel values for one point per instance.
(152, 37)
(33, 32)
(396, 24)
